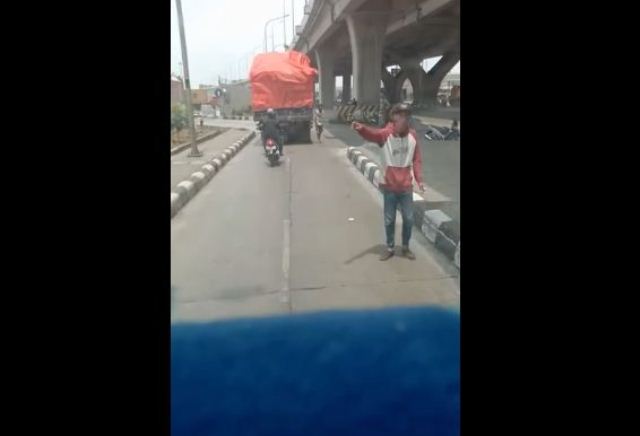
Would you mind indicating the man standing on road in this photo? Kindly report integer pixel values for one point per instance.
(400, 158)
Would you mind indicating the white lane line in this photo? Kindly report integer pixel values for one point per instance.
(285, 295)
(286, 249)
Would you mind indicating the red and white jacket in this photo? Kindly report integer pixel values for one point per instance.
(400, 154)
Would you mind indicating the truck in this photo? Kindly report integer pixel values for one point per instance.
(284, 82)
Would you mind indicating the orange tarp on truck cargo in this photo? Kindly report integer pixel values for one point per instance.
(281, 80)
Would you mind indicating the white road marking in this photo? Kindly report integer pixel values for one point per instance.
(285, 296)
(286, 249)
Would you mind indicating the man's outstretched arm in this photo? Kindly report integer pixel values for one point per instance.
(379, 136)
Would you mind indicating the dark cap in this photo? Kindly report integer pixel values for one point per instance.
(399, 108)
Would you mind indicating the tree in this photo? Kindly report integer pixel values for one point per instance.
(179, 119)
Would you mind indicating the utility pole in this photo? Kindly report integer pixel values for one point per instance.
(265, 30)
(293, 21)
(284, 26)
(194, 146)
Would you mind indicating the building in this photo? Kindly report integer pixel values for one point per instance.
(204, 95)
(177, 90)
(199, 97)
(237, 97)
(211, 92)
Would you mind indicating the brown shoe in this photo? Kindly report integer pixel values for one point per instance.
(408, 253)
(386, 255)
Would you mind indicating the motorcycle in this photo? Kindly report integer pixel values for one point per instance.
(272, 151)
(435, 133)
(361, 116)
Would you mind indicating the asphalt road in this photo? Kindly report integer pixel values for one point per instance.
(302, 236)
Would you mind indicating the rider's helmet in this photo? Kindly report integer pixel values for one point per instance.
(271, 113)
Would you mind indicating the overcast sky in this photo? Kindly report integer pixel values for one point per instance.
(223, 34)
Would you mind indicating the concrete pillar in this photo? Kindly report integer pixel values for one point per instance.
(425, 84)
(346, 87)
(412, 70)
(430, 81)
(366, 34)
(398, 81)
(389, 83)
(325, 59)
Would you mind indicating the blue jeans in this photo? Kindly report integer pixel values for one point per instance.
(393, 201)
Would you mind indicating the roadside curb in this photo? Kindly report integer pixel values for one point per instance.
(442, 231)
(181, 147)
(187, 189)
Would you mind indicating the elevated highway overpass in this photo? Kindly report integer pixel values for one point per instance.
(361, 38)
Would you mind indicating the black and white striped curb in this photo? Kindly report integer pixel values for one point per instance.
(187, 189)
(434, 224)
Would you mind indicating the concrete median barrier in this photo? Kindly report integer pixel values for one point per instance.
(209, 171)
(217, 163)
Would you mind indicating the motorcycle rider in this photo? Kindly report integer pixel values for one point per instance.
(270, 130)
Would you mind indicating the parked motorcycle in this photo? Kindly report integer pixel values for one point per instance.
(437, 133)
(360, 116)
